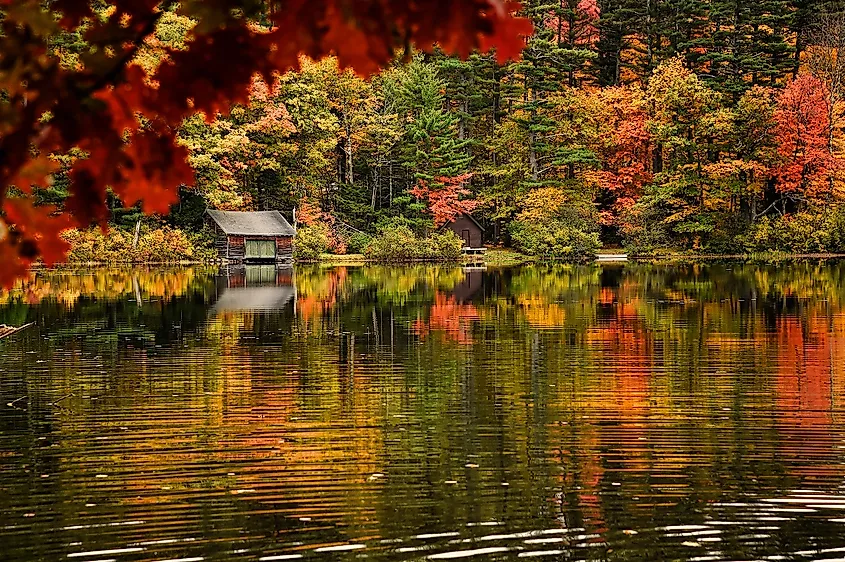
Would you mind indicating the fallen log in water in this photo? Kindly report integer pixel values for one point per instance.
(6, 331)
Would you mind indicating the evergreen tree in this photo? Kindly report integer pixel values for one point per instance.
(433, 146)
(548, 62)
(617, 23)
(748, 44)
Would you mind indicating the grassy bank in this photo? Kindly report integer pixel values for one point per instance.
(503, 257)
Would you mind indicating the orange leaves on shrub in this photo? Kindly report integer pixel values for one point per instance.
(444, 201)
(310, 213)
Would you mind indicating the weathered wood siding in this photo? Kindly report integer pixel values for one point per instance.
(221, 241)
(284, 249)
(462, 223)
(233, 248)
(237, 248)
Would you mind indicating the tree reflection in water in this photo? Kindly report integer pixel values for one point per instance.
(633, 412)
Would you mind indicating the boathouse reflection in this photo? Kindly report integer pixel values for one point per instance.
(253, 288)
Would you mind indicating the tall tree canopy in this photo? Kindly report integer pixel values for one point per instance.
(122, 118)
(686, 123)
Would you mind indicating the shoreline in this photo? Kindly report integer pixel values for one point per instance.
(770, 257)
(496, 257)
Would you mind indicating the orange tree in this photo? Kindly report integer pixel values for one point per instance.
(121, 121)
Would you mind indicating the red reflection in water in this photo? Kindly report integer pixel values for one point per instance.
(450, 318)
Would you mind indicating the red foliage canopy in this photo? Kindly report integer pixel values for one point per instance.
(444, 201)
(803, 132)
(96, 106)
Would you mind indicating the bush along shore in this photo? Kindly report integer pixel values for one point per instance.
(160, 244)
(395, 243)
(165, 244)
(399, 244)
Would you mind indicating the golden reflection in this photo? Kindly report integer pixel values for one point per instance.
(68, 286)
(338, 393)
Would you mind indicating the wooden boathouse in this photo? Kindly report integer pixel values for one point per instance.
(251, 236)
(468, 230)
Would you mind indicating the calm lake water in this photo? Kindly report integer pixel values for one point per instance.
(614, 413)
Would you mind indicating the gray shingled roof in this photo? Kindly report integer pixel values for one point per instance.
(253, 298)
(252, 223)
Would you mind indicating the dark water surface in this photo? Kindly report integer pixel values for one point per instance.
(610, 413)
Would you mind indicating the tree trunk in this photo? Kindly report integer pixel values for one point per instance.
(137, 234)
(348, 150)
(532, 158)
(375, 187)
(657, 162)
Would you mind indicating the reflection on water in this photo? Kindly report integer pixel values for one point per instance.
(253, 288)
(618, 412)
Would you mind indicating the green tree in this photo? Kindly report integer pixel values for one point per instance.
(685, 121)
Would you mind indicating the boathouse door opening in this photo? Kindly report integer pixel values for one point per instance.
(466, 238)
(260, 250)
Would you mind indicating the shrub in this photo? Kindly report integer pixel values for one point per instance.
(643, 231)
(310, 242)
(806, 232)
(398, 243)
(442, 246)
(358, 243)
(726, 237)
(554, 239)
(162, 244)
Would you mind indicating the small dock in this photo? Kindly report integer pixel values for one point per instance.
(468, 251)
(611, 257)
(472, 256)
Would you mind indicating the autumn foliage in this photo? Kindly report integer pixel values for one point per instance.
(803, 134)
(124, 120)
(446, 200)
(608, 124)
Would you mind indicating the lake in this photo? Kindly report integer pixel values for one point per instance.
(602, 412)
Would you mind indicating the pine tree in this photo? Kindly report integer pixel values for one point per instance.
(552, 57)
(617, 27)
(748, 44)
(433, 147)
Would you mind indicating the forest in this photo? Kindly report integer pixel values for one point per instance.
(698, 126)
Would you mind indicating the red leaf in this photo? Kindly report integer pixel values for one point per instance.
(212, 74)
(38, 228)
(153, 169)
(125, 100)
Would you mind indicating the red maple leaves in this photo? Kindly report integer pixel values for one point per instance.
(444, 201)
(803, 134)
(125, 120)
